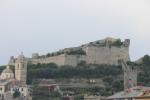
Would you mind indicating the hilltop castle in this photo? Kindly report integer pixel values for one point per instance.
(107, 51)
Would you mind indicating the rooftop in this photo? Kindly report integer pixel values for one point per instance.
(130, 93)
(4, 82)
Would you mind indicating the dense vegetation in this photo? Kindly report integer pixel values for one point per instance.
(144, 74)
(45, 93)
(111, 75)
(146, 60)
(16, 94)
(52, 71)
(70, 52)
(3, 67)
(117, 43)
(107, 73)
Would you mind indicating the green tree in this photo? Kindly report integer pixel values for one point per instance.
(79, 97)
(146, 60)
(117, 43)
(16, 94)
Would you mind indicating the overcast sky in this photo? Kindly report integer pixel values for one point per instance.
(49, 25)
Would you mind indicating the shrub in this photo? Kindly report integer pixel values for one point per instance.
(16, 94)
(117, 43)
(146, 60)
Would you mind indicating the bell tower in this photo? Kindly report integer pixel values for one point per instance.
(21, 69)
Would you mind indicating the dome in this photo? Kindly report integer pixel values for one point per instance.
(7, 70)
(7, 73)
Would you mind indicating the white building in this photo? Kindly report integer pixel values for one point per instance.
(23, 89)
(5, 86)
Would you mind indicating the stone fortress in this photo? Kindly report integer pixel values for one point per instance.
(106, 51)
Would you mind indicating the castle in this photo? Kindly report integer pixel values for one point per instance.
(107, 51)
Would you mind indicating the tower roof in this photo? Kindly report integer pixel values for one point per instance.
(21, 56)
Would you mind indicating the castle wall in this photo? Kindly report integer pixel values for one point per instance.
(106, 55)
(74, 60)
(71, 60)
(99, 52)
(94, 55)
(59, 60)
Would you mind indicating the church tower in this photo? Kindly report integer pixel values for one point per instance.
(21, 69)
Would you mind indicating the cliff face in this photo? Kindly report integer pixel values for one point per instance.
(107, 51)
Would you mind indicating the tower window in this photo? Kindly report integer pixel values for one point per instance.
(22, 65)
(22, 89)
(18, 66)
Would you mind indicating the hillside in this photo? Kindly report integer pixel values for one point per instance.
(112, 76)
(109, 76)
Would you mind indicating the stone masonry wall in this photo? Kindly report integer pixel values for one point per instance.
(59, 60)
(95, 54)
(106, 55)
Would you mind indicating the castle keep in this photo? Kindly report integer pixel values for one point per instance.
(107, 51)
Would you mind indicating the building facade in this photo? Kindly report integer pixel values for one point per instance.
(21, 69)
(11, 82)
